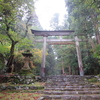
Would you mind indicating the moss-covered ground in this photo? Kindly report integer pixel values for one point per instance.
(21, 94)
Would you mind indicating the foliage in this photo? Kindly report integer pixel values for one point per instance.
(83, 17)
(16, 18)
(93, 80)
(91, 66)
(65, 56)
(4, 48)
(98, 75)
(4, 45)
(37, 55)
(54, 23)
(97, 52)
(50, 62)
(35, 62)
(24, 44)
(25, 72)
(10, 26)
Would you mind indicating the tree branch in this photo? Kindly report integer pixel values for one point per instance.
(27, 27)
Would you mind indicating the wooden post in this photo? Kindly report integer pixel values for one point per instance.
(43, 58)
(79, 57)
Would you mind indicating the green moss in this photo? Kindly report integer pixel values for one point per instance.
(16, 80)
(93, 80)
(25, 72)
(98, 75)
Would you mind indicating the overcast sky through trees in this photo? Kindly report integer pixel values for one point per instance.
(45, 9)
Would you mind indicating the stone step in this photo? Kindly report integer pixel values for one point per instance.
(72, 85)
(66, 83)
(64, 77)
(72, 89)
(71, 97)
(84, 86)
(69, 76)
(67, 79)
(71, 92)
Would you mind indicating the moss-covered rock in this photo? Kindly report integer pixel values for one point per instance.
(25, 72)
(24, 77)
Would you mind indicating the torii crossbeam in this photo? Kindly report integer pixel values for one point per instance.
(63, 42)
(52, 33)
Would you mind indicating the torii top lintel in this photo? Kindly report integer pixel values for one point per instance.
(52, 33)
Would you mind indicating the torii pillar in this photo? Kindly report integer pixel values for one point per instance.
(79, 57)
(43, 58)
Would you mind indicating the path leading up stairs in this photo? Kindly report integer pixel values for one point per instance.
(70, 87)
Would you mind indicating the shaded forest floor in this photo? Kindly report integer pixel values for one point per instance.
(21, 94)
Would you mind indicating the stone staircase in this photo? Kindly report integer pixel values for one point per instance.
(70, 87)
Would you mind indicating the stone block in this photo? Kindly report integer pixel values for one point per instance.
(71, 97)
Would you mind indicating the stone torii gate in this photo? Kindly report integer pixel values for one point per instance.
(45, 34)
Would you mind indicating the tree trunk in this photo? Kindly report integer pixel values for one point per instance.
(92, 43)
(70, 72)
(97, 36)
(63, 71)
(96, 27)
(11, 58)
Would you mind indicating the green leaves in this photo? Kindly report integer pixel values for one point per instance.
(24, 44)
(81, 15)
(3, 49)
(97, 52)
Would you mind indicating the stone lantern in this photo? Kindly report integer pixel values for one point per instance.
(27, 56)
(25, 76)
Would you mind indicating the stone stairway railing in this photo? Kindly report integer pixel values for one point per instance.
(70, 87)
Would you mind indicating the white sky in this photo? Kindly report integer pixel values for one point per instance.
(45, 10)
